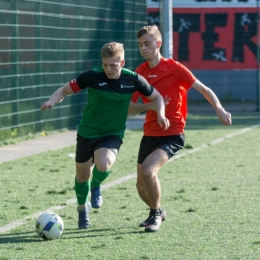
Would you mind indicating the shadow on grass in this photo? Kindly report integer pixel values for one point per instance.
(100, 232)
(19, 237)
(27, 237)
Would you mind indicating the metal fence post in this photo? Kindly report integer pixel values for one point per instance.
(15, 66)
(166, 24)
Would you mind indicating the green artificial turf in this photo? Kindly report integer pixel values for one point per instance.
(211, 197)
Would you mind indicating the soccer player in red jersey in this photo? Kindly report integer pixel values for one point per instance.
(172, 80)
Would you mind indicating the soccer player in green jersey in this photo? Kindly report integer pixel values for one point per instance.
(102, 126)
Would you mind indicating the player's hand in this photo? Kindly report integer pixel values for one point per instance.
(224, 116)
(46, 105)
(166, 100)
(164, 122)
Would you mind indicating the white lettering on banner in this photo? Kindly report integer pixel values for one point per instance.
(184, 25)
(245, 20)
(219, 56)
(204, 3)
(153, 20)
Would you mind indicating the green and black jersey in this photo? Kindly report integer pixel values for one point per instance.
(108, 101)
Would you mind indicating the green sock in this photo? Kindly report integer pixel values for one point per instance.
(98, 177)
(82, 190)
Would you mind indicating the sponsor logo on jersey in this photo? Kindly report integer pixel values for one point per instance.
(152, 76)
(102, 84)
(125, 86)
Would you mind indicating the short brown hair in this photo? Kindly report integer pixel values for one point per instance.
(112, 49)
(152, 30)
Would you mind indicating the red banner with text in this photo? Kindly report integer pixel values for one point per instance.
(213, 38)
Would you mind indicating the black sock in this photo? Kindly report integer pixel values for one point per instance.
(155, 212)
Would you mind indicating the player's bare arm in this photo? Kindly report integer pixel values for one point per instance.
(223, 115)
(160, 109)
(57, 97)
(135, 108)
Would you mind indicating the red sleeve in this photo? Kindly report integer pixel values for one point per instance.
(136, 96)
(74, 86)
(185, 76)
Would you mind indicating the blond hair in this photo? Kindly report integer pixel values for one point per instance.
(112, 49)
(153, 30)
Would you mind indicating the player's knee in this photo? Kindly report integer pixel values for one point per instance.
(149, 175)
(105, 163)
(103, 166)
(146, 171)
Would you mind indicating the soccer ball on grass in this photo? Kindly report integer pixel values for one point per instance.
(49, 226)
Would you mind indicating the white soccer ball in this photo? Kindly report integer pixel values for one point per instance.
(49, 226)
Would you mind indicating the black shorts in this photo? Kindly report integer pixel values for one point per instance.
(86, 146)
(170, 144)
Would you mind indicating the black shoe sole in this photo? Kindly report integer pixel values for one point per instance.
(83, 227)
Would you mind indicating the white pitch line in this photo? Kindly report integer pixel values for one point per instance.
(21, 222)
(219, 140)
